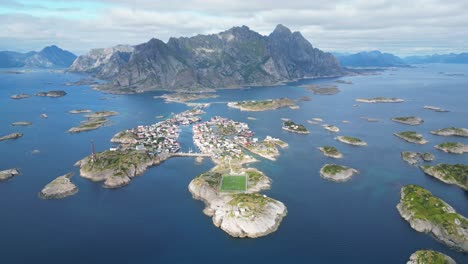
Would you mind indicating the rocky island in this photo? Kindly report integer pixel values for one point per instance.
(295, 128)
(337, 173)
(79, 111)
(115, 168)
(409, 120)
(429, 257)
(434, 108)
(21, 123)
(451, 174)
(379, 100)
(322, 89)
(186, 97)
(414, 158)
(20, 96)
(99, 114)
(451, 131)
(7, 174)
(262, 105)
(351, 140)
(412, 137)
(331, 152)
(238, 209)
(59, 188)
(453, 147)
(53, 94)
(429, 214)
(11, 136)
(331, 128)
(89, 124)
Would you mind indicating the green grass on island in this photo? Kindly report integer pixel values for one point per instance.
(425, 206)
(449, 145)
(266, 104)
(118, 161)
(333, 169)
(457, 172)
(254, 202)
(234, 183)
(430, 257)
(404, 118)
(330, 150)
(351, 139)
(412, 135)
(210, 177)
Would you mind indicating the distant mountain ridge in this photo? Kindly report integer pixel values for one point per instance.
(233, 58)
(461, 58)
(370, 59)
(49, 57)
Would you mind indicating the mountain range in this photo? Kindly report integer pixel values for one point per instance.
(370, 59)
(233, 58)
(49, 57)
(379, 59)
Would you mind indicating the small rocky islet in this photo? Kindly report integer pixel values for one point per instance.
(322, 89)
(8, 174)
(337, 173)
(53, 94)
(331, 152)
(412, 137)
(452, 147)
(380, 100)
(331, 128)
(21, 123)
(435, 108)
(429, 257)
(409, 120)
(414, 158)
(262, 105)
(449, 173)
(290, 126)
(94, 121)
(15, 135)
(451, 131)
(59, 188)
(180, 97)
(430, 214)
(20, 96)
(351, 140)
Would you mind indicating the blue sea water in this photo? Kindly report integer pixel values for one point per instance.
(155, 219)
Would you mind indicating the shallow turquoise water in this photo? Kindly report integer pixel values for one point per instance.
(155, 219)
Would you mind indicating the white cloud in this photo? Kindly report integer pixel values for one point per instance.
(401, 27)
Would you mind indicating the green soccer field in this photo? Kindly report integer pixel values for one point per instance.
(233, 183)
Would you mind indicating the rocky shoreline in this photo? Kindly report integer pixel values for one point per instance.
(413, 158)
(53, 94)
(59, 188)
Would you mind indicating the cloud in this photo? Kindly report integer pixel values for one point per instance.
(401, 27)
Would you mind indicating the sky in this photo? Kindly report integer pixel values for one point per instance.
(402, 27)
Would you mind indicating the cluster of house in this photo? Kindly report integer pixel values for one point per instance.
(163, 137)
(222, 137)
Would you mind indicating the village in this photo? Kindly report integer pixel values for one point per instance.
(159, 138)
